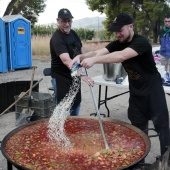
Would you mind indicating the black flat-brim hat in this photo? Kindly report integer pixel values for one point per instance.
(64, 13)
(121, 20)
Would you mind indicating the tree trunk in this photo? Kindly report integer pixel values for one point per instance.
(156, 31)
(20, 7)
(9, 7)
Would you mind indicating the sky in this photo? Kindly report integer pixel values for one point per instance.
(78, 8)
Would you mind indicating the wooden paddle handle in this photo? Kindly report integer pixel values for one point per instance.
(32, 79)
(20, 97)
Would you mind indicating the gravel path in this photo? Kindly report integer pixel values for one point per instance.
(118, 106)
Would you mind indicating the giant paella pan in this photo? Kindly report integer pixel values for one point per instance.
(28, 146)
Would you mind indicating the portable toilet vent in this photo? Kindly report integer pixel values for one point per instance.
(3, 48)
(18, 33)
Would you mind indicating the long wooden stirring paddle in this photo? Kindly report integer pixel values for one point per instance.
(98, 114)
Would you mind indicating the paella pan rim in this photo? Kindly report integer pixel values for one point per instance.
(137, 130)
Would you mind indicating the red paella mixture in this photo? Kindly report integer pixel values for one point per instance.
(30, 147)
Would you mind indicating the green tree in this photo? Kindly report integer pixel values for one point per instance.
(85, 34)
(30, 9)
(43, 30)
(148, 14)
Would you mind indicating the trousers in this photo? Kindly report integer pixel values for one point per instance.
(75, 109)
(165, 62)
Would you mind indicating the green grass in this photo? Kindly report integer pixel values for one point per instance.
(41, 48)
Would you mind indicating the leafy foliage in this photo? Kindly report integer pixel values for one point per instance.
(44, 30)
(148, 14)
(85, 34)
(30, 9)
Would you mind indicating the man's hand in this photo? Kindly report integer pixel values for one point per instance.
(88, 80)
(74, 60)
(88, 62)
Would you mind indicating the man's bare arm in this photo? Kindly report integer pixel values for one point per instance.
(114, 57)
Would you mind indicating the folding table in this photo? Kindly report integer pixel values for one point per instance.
(99, 80)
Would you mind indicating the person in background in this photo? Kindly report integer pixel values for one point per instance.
(165, 44)
(64, 46)
(147, 98)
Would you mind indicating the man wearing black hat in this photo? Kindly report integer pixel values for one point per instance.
(64, 46)
(147, 98)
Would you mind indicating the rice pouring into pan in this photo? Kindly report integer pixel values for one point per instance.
(56, 131)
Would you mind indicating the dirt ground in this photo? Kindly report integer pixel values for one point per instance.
(118, 106)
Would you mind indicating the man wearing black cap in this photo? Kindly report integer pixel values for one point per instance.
(64, 46)
(147, 98)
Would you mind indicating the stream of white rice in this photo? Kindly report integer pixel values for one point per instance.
(56, 131)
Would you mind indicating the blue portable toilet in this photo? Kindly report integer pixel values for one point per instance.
(3, 48)
(18, 36)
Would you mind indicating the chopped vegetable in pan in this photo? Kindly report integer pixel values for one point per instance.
(31, 148)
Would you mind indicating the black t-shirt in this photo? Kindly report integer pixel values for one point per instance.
(141, 69)
(64, 43)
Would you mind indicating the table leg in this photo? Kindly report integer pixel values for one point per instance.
(99, 99)
(99, 103)
(106, 98)
(105, 102)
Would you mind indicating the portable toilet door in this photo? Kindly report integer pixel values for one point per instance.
(18, 30)
(3, 52)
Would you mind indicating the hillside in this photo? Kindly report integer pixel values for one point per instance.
(89, 23)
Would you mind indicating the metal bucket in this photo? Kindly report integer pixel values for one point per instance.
(113, 71)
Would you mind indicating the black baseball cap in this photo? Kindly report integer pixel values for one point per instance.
(121, 20)
(64, 13)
